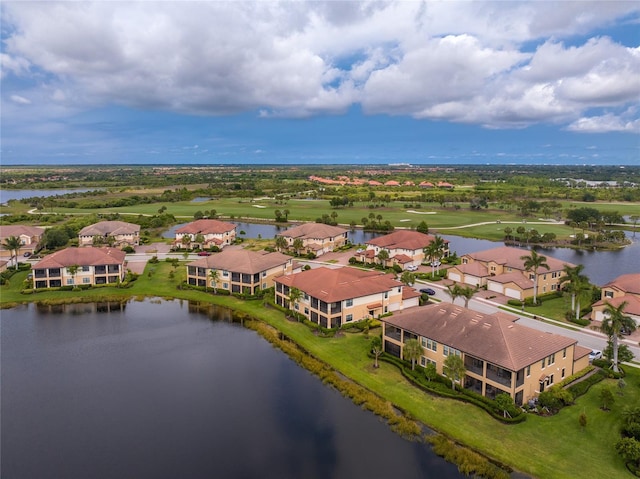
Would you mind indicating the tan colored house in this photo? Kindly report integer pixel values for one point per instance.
(623, 288)
(317, 238)
(214, 232)
(79, 266)
(336, 296)
(239, 270)
(113, 233)
(500, 355)
(404, 248)
(30, 237)
(502, 270)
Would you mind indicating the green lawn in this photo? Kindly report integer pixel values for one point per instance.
(544, 447)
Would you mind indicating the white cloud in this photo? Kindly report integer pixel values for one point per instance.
(456, 61)
(20, 100)
(605, 124)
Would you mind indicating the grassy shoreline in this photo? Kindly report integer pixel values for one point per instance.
(543, 447)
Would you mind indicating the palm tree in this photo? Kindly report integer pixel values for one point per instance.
(73, 269)
(214, 276)
(582, 289)
(454, 292)
(467, 293)
(453, 368)
(298, 244)
(294, 296)
(573, 276)
(383, 256)
(281, 243)
(439, 245)
(614, 321)
(531, 263)
(408, 278)
(412, 351)
(13, 244)
(376, 349)
(431, 252)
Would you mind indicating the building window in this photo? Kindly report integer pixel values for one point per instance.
(528, 370)
(564, 354)
(562, 373)
(86, 280)
(531, 276)
(543, 362)
(225, 285)
(551, 359)
(348, 318)
(348, 303)
(554, 274)
(446, 350)
(69, 280)
(225, 274)
(425, 361)
(386, 294)
(264, 274)
(86, 269)
(608, 294)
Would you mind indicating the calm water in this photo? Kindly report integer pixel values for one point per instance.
(6, 195)
(160, 390)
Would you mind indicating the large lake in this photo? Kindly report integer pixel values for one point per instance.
(163, 390)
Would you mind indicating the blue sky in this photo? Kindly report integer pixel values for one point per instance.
(320, 82)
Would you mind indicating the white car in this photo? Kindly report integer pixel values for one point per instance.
(412, 268)
(595, 354)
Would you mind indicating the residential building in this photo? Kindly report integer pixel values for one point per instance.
(79, 266)
(623, 288)
(317, 238)
(239, 270)
(502, 270)
(211, 232)
(332, 297)
(500, 355)
(113, 233)
(30, 237)
(403, 247)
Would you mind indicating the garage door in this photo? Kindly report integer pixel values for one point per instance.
(497, 287)
(455, 277)
(473, 281)
(512, 293)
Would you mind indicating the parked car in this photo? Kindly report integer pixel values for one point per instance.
(428, 291)
(595, 354)
(27, 254)
(412, 267)
(625, 331)
(204, 253)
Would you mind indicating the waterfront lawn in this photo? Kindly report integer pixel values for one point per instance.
(554, 308)
(545, 447)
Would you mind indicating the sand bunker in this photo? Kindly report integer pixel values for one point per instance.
(422, 212)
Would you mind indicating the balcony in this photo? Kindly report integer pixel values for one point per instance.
(393, 333)
(474, 365)
(498, 375)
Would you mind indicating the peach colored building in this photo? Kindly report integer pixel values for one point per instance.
(336, 296)
(239, 270)
(317, 238)
(623, 288)
(500, 355)
(30, 237)
(215, 233)
(502, 270)
(79, 266)
(404, 248)
(115, 233)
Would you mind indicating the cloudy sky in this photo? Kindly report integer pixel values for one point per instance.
(320, 82)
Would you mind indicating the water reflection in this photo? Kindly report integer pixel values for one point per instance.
(79, 309)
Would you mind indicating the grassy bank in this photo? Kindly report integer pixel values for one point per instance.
(544, 447)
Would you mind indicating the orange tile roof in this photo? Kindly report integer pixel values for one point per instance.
(337, 284)
(242, 261)
(88, 256)
(510, 257)
(488, 337)
(405, 239)
(630, 283)
(18, 230)
(313, 231)
(206, 226)
(632, 307)
(109, 227)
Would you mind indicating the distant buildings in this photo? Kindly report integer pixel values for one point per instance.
(112, 233)
(79, 266)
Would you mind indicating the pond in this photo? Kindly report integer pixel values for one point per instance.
(165, 389)
(6, 195)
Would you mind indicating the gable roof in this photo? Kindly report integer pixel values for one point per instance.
(510, 257)
(632, 307)
(474, 269)
(337, 284)
(19, 230)
(109, 228)
(489, 337)
(629, 283)
(515, 277)
(87, 256)
(242, 261)
(206, 226)
(313, 231)
(403, 239)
